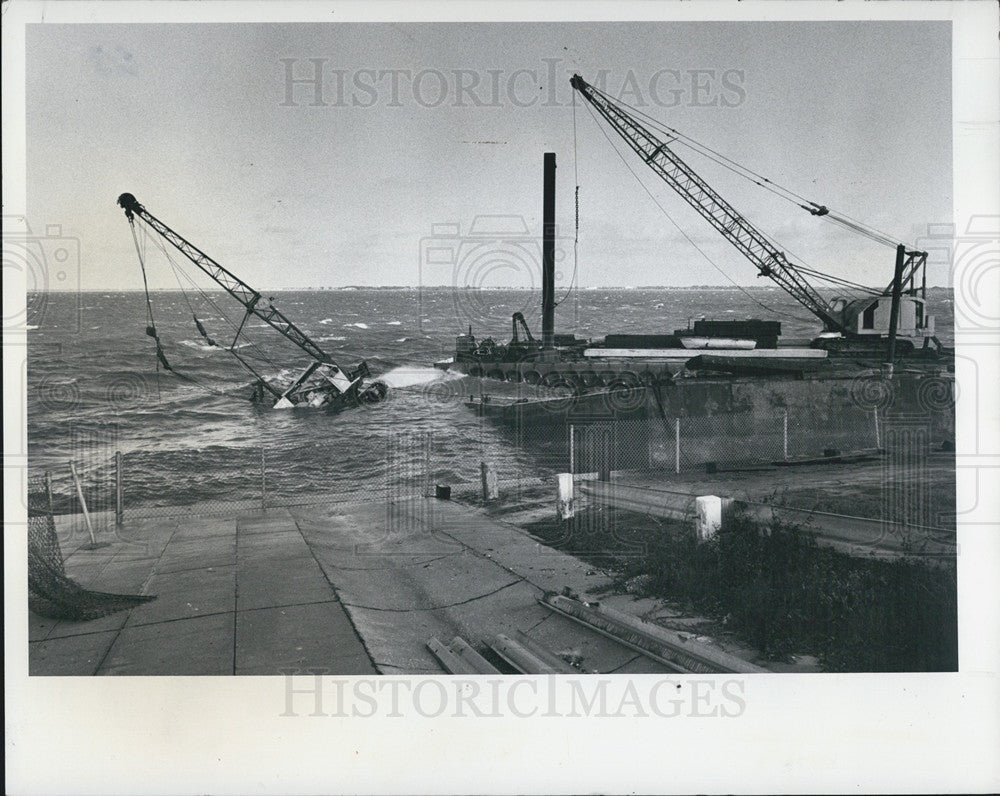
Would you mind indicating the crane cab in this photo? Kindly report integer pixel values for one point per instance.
(869, 317)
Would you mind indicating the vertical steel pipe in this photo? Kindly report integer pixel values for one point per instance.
(549, 251)
(894, 311)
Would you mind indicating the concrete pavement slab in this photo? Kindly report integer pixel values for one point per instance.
(399, 601)
(271, 521)
(69, 655)
(39, 627)
(197, 554)
(181, 595)
(270, 583)
(126, 578)
(246, 595)
(203, 645)
(65, 628)
(205, 528)
(284, 544)
(318, 636)
(290, 616)
(444, 582)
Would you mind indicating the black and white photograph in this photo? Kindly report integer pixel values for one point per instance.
(517, 386)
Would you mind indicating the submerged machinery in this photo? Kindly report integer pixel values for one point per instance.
(321, 384)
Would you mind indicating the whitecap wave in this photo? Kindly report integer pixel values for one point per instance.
(412, 375)
(197, 345)
(357, 325)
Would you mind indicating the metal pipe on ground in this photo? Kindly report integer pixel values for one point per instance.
(459, 657)
(660, 644)
(528, 657)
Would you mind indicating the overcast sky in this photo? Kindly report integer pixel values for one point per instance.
(424, 124)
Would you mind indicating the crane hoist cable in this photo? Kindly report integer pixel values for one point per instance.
(260, 355)
(840, 281)
(151, 326)
(789, 195)
(178, 272)
(160, 356)
(687, 237)
(576, 212)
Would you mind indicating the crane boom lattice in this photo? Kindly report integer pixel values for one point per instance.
(658, 155)
(250, 299)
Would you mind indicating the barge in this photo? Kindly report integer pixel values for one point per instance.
(867, 327)
(733, 381)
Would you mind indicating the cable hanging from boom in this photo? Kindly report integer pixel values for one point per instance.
(178, 271)
(321, 384)
(151, 325)
(789, 195)
(687, 237)
(576, 213)
(151, 329)
(769, 259)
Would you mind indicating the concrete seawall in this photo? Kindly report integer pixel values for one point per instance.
(740, 420)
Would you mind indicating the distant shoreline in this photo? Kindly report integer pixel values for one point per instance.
(406, 288)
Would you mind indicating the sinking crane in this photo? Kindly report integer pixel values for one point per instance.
(323, 378)
(752, 243)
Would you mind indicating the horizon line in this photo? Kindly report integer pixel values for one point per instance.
(440, 287)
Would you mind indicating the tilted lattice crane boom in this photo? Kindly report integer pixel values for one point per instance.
(657, 154)
(232, 284)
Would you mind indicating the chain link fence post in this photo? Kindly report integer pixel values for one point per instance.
(677, 444)
(784, 435)
(263, 480)
(48, 488)
(119, 495)
(571, 435)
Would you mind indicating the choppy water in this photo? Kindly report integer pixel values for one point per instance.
(93, 386)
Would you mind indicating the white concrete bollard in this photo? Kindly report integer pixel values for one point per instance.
(708, 517)
(491, 486)
(564, 502)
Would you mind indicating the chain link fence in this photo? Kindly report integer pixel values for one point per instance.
(411, 463)
(694, 443)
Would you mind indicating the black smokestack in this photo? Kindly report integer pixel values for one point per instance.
(549, 251)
